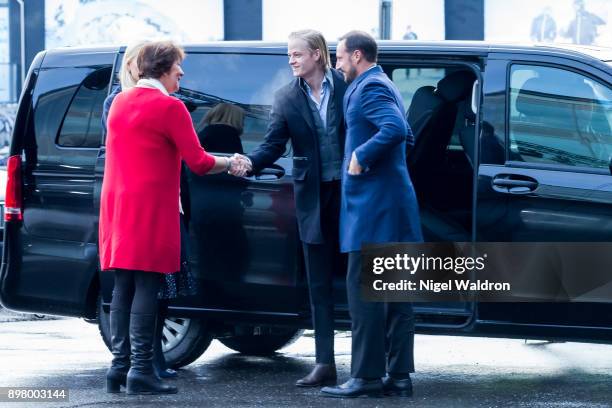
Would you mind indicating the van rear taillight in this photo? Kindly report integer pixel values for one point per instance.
(13, 200)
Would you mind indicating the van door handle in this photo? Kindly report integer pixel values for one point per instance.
(270, 173)
(514, 184)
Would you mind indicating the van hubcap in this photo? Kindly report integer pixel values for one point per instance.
(175, 329)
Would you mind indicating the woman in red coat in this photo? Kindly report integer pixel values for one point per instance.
(149, 133)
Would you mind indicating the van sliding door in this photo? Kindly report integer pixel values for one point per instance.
(441, 100)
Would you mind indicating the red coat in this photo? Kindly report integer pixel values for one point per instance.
(148, 135)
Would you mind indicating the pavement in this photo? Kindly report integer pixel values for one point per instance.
(10, 316)
(451, 372)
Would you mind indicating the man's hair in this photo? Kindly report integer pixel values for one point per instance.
(362, 41)
(225, 114)
(131, 53)
(315, 41)
(157, 58)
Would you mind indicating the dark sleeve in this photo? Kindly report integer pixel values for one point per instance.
(185, 196)
(275, 140)
(107, 104)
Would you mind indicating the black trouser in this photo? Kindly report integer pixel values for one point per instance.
(135, 291)
(378, 329)
(321, 261)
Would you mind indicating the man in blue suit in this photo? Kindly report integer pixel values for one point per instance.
(378, 205)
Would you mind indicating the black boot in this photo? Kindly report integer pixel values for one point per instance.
(120, 347)
(159, 361)
(141, 378)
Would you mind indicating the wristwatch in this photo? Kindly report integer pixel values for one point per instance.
(229, 165)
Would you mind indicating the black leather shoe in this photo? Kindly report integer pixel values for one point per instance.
(355, 387)
(394, 387)
(167, 373)
(141, 378)
(321, 374)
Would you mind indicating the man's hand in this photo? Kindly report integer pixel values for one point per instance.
(354, 166)
(241, 165)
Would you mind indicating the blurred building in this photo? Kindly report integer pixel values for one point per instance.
(28, 26)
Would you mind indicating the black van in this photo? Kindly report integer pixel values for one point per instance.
(513, 143)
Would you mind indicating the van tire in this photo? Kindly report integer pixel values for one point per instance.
(263, 344)
(193, 342)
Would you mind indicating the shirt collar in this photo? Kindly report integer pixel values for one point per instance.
(329, 78)
(152, 83)
(327, 81)
(373, 68)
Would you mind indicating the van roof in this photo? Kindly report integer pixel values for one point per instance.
(479, 47)
(459, 47)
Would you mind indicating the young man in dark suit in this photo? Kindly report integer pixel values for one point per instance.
(309, 112)
(378, 205)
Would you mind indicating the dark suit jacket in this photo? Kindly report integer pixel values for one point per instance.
(378, 205)
(291, 118)
(107, 104)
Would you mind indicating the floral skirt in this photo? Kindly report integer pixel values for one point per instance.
(181, 283)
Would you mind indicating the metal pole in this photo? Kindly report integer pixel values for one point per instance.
(22, 40)
(385, 19)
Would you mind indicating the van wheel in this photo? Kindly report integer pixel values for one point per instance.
(261, 341)
(183, 340)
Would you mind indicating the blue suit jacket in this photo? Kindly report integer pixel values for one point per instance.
(107, 104)
(378, 205)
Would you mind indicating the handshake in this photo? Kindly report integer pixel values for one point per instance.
(240, 165)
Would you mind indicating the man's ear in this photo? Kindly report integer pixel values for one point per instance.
(357, 56)
(317, 54)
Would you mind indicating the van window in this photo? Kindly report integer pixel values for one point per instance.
(409, 80)
(82, 126)
(559, 117)
(247, 82)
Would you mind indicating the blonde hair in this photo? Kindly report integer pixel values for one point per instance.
(315, 41)
(225, 114)
(131, 54)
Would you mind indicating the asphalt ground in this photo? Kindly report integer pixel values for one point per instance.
(451, 372)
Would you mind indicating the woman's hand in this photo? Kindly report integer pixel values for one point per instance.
(223, 165)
